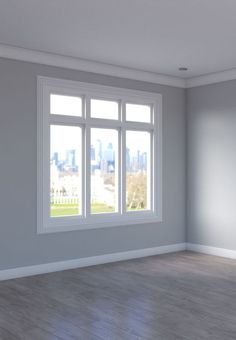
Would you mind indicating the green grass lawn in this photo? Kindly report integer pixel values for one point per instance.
(73, 209)
(97, 207)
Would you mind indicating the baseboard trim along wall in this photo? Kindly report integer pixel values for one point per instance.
(18, 272)
(88, 261)
(199, 248)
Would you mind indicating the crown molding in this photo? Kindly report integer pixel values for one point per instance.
(211, 78)
(52, 59)
(39, 57)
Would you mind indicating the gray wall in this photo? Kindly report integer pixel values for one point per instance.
(211, 163)
(19, 243)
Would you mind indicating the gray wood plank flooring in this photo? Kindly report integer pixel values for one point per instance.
(177, 296)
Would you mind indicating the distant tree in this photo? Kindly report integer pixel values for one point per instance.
(136, 190)
(109, 179)
(63, 191)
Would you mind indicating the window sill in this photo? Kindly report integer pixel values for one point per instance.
(73, 224)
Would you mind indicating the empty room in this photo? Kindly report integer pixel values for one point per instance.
(118, 170)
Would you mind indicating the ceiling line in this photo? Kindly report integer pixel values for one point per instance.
(52, 59)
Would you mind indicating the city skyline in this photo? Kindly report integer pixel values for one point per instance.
(69, 158)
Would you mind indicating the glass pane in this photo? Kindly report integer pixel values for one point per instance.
(65, 105)
(104, 171)
(65, 170)
(138, 113)
(104, 109)
(137, 170)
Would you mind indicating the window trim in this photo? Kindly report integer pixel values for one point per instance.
(45, 86)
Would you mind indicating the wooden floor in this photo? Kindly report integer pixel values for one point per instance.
(176, 296)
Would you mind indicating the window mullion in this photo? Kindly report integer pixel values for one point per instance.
(150, 168)
(138, 126)
(83, 174)
(119, 176)
(87, 178)
(123, 161)
(157, 166)
(66, 120)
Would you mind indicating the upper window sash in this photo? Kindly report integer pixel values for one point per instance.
(98, 92)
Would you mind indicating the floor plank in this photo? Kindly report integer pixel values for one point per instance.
(177, 296)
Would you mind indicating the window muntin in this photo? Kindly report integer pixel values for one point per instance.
(65, 105)
(83, 213)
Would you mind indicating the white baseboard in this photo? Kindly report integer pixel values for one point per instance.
(199, 248)
(88, 261)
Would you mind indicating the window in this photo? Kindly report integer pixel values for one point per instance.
(138, 170)
(99, 156)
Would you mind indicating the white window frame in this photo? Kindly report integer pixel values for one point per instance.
(47, 86)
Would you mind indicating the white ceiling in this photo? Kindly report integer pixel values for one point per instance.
(151, 35)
